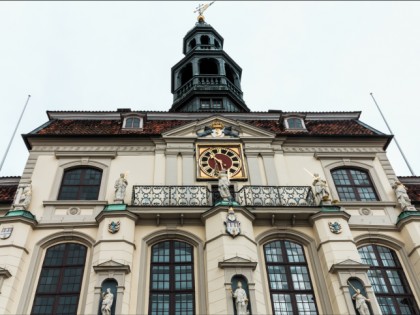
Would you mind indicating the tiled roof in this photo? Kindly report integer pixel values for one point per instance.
(106, 127)
(7, 193)
(413, 186)
(156, 127)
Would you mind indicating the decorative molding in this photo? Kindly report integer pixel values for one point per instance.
(349, 265)
(115, 241)
(111, 265)
(349, 155)
(319, 150)
(74, 203)
(94, 149)
(85, 153)
(15, 246)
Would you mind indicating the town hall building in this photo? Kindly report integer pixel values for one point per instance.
(208, 208)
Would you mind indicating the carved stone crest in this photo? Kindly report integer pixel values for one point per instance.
(335, 227)
(114, 227)
(5, 233)
(218, 130)
(233, 226)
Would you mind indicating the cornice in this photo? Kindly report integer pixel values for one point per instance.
(97, 154)
(74, 203)
(99, 150)
(320, 150)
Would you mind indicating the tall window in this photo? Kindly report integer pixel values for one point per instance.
(388, 280)
(172, 279)
(353, 185)
(80, 184)
(60, 281)
(290, 285)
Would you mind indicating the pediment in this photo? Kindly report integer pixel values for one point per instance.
(201, 129)
(236, 262)
(111, 265)
(348, 265)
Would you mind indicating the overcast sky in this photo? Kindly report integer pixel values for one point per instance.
(295, 56)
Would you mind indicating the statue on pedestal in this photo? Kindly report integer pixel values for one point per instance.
(224, 184)
(120, 187)
(402, 196)
(361, 305)
(107, 300)
(321, 188)
(24, 198)
(241, 300)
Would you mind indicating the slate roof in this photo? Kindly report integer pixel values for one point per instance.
(156, 127)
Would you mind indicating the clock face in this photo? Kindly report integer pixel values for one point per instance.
(212, 160)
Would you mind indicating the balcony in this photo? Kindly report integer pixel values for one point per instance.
(201, 196)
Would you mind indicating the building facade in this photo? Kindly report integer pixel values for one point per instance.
(208, 208)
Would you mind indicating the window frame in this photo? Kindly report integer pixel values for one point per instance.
(127, 118)
(287, 264)
(211, 103)
(62, 268)
(354, 186)
(382, 270)
(172, 264)
(287, 124)
(83, 168)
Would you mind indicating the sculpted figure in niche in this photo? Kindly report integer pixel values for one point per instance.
(107, 300)
(361, 305)
(26, 196)
(401, 194)
(120, 187)
(320, 186)
(224, 184)
(241, 300)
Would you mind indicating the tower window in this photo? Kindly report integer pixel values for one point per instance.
(192, 43)
(205, 40)
(211, 104)
(209, 66)
(216, 43)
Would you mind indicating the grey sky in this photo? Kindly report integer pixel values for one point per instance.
(303, 56)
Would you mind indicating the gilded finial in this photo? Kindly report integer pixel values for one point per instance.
(200, 9)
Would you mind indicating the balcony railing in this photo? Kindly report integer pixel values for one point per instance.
(257, 196)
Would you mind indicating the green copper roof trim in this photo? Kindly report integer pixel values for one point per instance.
(407, 214)
(20, 213)
(227, 203)
(330, 209)
(115, 207)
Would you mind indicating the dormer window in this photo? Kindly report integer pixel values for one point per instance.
(133, 122)
(295, 123)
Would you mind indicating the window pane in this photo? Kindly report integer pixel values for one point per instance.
(159, 304)
(43, 305)
(67, 305)
(368, 256)
(300, 278)
(80, 184)
(277, 277)
(54, 255)
(184, 304)
(378, 281)
(353, 185)
(305, 304)
(160, 252)
(273, 252)
(282, 304)
(183, 277)
(387, 305)
(48, 280)
(160, 277)
(183, 252)
(294, 252)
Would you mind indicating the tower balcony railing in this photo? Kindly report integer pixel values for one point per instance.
(196, 196)
(207, 82)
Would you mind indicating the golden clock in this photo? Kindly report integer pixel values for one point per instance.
(214, 159)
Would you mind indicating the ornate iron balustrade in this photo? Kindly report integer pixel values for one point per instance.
(155, 196)
(271, 196)
(256, 196)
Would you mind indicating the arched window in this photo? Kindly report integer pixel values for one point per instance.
(60, 281)
(80, 184)
(192, 43)
(205, 40)
(353, 185)
(230, 74)
(132, 122)
(172, 279)
(186, 73)
(208, 66)
(388, 280)
(288, 275)
(294, 123)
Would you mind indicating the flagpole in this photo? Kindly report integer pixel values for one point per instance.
(14, 132)
(395, 138)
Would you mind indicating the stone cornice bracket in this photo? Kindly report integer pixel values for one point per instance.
(329, 213)
(109, 211)
(244, 211)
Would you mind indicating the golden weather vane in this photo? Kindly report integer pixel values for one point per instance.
(200, 9)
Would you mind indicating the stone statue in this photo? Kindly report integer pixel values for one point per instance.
(241, 300)
(26, 196)
(107, 300)
(224, 184)
(320, 187)
(361, 305)
(401, 194)
(120, 186)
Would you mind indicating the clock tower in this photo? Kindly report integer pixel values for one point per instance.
(207, 79)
